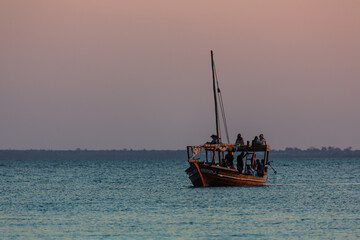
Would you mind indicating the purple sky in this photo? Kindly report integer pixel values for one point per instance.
(136, 73)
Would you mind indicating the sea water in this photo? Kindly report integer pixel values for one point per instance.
(154, 199)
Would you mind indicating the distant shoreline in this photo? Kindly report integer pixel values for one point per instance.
(84, 154)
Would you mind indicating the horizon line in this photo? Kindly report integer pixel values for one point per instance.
(144, 149)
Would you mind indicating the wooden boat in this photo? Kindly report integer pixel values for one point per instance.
(207, 161)
(205, 173)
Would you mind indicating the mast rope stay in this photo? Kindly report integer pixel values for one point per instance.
(221, 103)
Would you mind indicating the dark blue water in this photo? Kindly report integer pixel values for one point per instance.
(153, 199)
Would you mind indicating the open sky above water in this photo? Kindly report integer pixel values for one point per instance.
(136, 74)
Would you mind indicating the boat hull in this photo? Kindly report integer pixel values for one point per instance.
(205, 175)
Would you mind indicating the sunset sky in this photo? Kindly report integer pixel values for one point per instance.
(114, 74)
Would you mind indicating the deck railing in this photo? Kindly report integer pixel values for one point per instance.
(192, 151)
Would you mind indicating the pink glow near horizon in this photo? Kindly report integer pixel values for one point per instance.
(136, 74)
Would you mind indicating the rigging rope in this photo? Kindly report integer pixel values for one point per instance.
(221, 103)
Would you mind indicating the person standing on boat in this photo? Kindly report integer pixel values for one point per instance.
(239, 140)
(240, 161)
(260, 168)
(230, 160)
(262, 140)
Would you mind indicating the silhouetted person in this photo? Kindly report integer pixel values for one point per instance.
(240, 161)
(260, 168)
(239, 140)
(214, 139)
(230, 160)
(255, 141)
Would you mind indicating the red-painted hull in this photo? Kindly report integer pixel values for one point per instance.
(212, 176)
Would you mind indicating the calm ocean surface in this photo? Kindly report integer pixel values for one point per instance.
(153, 199)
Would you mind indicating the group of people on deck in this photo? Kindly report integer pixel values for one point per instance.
(240, 140)
(256, 168)
(256, 141)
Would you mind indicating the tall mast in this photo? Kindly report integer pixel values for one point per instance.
(215, 98)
